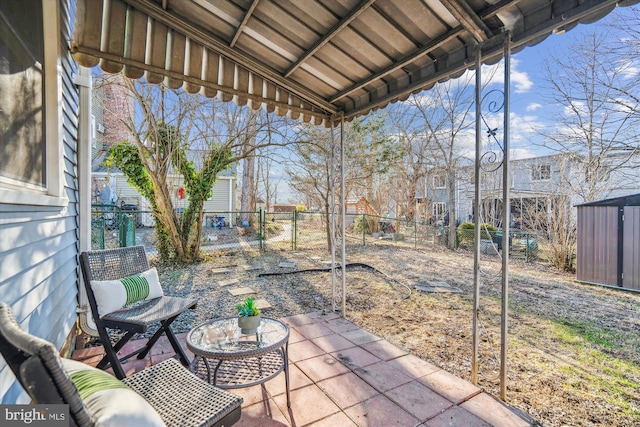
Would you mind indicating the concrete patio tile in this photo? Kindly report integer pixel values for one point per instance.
(379, 411)
(314, 330)
(453, 388)
(161, 346)
(262, 414)
(228, 282)
(262, 304)
(493, 411)
(341, 325)
(133, 365)
(419, 400)
(322, 367)
(382, 376)
(157, 358)
(220, 270)
(456, 416)
(355, 357)
(303, 350)
(241, 291)
(347, 389)
(88, 353)
(134, 345)
(332, 342)
(336, 420)
(308, 318)
(413, 365)
(251, 395)
(360, 336)
(384, 349)
(297, 379)
(285, 264)
(308, 405)
(92, 361)
(295, 336)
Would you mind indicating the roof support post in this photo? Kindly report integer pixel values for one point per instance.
(84, 82)
(343, 205)
(506, 217)
(338, 294)
(332, 239)
(476, 220)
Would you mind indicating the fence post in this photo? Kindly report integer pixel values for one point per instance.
(294, 233)
(260, 230)
(526, 250)
(415, 233)
(364, 225)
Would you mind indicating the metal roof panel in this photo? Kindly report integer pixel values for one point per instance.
(314, 58)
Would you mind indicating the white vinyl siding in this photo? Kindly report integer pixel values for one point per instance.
(39, 245)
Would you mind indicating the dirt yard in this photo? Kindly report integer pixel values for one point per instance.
(573, 350)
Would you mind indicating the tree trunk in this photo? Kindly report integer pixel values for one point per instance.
(247, 198)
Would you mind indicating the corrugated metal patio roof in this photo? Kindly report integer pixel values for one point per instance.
(312, 59)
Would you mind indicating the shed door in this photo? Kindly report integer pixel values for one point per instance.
(631, 248)
(598, 245)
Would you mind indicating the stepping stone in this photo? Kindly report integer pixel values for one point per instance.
(220, 270)
(251, 267)
(437, 287)
(285, 264)
(228, 282)
(241, 291)
(262, 304)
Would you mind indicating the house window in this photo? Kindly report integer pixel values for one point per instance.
(439, 209)
(439, 181)
(29, 142)
(541, 172)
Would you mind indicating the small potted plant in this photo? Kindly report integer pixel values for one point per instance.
(248, 316)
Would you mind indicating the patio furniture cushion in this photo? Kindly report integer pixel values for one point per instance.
(179, 397)
(110, 402)
(112, 295)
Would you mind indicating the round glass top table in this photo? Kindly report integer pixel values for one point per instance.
(229, 359)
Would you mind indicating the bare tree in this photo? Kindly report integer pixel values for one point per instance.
(413, 142)
(598, 122)
(445, 118)
(368, 153)
(178, 133)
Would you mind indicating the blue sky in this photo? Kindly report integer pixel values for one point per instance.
(529, 107)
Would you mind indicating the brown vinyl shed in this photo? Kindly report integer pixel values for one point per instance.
(609, 242)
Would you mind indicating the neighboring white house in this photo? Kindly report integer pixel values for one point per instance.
(222, 200)
(533, 182)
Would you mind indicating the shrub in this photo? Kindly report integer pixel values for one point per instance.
(466, 232)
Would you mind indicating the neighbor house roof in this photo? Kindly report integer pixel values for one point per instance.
(314, 60)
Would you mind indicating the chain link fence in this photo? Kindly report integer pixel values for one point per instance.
(113, 226)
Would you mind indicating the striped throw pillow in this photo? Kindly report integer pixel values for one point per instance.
(112, 295)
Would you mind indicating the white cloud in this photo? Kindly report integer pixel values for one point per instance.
(519, 79)
(533, 106)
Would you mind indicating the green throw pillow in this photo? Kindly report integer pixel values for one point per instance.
(112, 295)
(109, 401)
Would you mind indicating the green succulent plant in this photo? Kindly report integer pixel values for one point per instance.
(247, 308)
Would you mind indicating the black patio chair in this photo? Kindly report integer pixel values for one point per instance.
(115, 264)
(178, 396)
